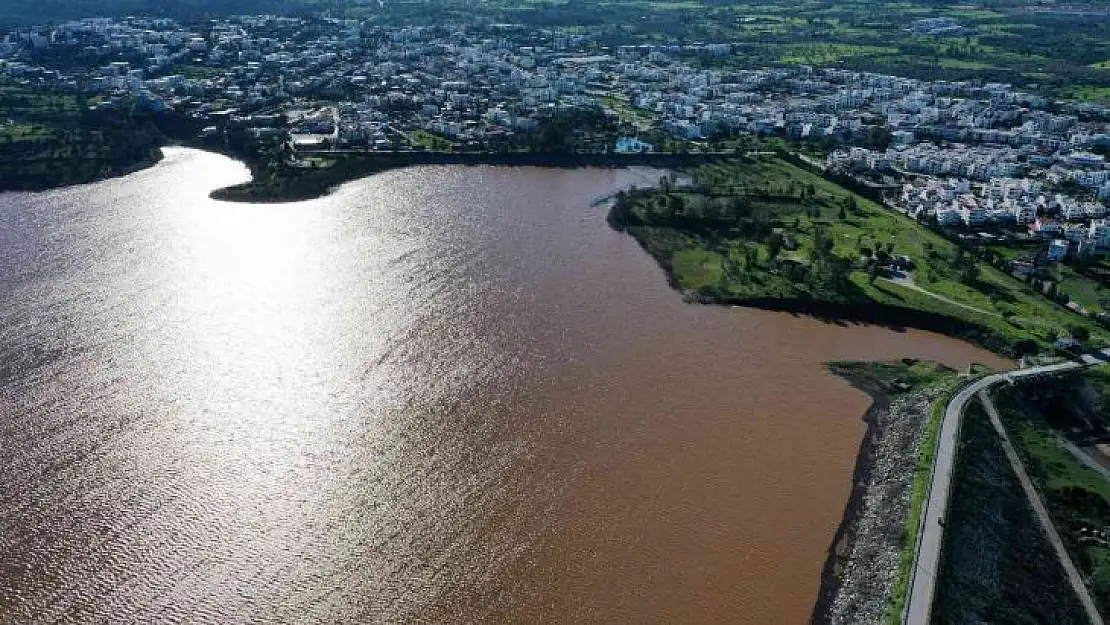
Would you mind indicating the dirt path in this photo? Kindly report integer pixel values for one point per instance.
(908, 283)
(1049, 528)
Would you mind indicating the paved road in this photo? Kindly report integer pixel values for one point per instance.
(1049, 528)
(923, 579)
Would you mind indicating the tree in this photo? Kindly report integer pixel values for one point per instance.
(740, 207)
(969, 272)
(774, 245)
(751, 257)
(676, 203)
(842, 215)
(840, 271)
(1025, 347)
(819, 236)
(1080, 333)
(872, 272)
(827, 245)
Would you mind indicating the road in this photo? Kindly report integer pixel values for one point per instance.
(908, 283)
(919, 603)
(1035, 501)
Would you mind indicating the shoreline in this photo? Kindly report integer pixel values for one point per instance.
(861, 571)
(302, 184)
(844, 537)
(21, 186)
(317, 183)
(891, 317)
(895, 318)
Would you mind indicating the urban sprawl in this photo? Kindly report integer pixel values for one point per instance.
(965, 155)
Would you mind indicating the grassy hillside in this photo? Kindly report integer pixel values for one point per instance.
(50, 139)
(764, 229)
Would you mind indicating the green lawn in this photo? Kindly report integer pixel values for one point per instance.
(198, 72)
(829, 53)
(964, 64)
(429, 140)
(1089, 93)
(697, 268)
(1088, 293)
(629, 113)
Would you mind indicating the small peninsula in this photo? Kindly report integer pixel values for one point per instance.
(56, 138)
(766, 232)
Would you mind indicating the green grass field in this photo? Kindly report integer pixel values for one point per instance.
(830, 53)
(1088, 93)
(713, 249)
(429, 140)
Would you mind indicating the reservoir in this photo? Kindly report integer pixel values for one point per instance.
(446, 394)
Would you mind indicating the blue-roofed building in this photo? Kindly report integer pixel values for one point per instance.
(630, 145)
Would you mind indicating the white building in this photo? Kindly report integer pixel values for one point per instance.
(1025, 212)
(1099, 233)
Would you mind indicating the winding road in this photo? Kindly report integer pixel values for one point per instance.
(919, 603)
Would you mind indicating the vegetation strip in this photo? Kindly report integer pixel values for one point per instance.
(1049, 423)
(1042, 515)
(997, 565)
(923, 477)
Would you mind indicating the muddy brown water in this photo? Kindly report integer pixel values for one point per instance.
(442, 394)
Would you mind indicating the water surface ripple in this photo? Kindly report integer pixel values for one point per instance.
(443, 394)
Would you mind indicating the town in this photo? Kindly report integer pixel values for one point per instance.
(961, 154)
